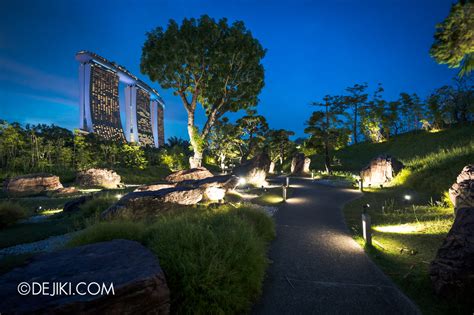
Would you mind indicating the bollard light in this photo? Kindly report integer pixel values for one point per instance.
(366, 225)
(312, 175)
(361, 185)
(287, 181)
(407, 199)
(242, 181)
(366, 228)
(283, 192)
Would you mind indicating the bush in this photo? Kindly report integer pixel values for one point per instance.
(214, 259)
(107, 231)
(10, 213)
(94, 207)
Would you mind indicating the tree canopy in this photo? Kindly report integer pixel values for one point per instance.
(454, 38)
(206, 62)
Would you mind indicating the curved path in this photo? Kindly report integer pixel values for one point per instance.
(317, 267)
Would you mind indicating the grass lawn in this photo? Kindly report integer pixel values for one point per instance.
(405, 240)
(407, 235)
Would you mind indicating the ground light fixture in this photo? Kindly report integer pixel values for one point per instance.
(366, 225)
(118, 196)
(407, 198)
(242, 181)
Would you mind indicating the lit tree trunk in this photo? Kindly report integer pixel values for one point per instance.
(271, 170)
(196, 159)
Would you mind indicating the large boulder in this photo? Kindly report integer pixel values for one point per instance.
(461, 192)
(213, 188)
(153, 187)
(300, 164)
(255, 170)
(380, 170)
(144, 203)
(66, 191)
(193, 173)
(97, 177)
(139, 283)
(32, 184)
(452, 270)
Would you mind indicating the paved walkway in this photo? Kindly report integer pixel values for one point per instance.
(317, 267)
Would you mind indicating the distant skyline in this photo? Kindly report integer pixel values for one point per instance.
(314, 48)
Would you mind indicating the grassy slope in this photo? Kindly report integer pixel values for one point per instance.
(407, 235)
(434, 159)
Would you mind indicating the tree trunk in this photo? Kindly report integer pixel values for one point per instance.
(196, 159)
(271, 170)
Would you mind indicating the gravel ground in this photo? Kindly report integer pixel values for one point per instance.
(47, 245)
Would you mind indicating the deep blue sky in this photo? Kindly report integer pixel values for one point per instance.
(314, 48)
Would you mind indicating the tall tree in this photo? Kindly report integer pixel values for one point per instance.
(279, 144)
(412, 109)
(224, 142)
(325, 128)
(356, 99)
(205, 62)
(252, 128)
(454, 38)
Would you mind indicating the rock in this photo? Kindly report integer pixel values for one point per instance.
(214, 188)
(97, 177)
(461, 193)
(193, 173)
(32, 184)
(144, 203)
(139, 283)
(154, 187)
(74, 205)
(380, 170)
(300, 164)
(254, 171)
(66, 191)
(452, 270)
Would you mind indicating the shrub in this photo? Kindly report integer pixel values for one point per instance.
(10, 213)
(94, 207)
(214, 259)
(107, 231)
(214, 264)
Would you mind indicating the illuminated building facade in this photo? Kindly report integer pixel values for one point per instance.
(100, 104)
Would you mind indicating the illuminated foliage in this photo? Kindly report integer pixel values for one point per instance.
(454, 38)
(206, 62)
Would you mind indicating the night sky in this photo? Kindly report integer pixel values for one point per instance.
(314, 48)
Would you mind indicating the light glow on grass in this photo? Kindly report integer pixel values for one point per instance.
(400, 228)
(51, 211)
(90, 190)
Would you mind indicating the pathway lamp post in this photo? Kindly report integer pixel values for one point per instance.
(361, 185)
(366, 225)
